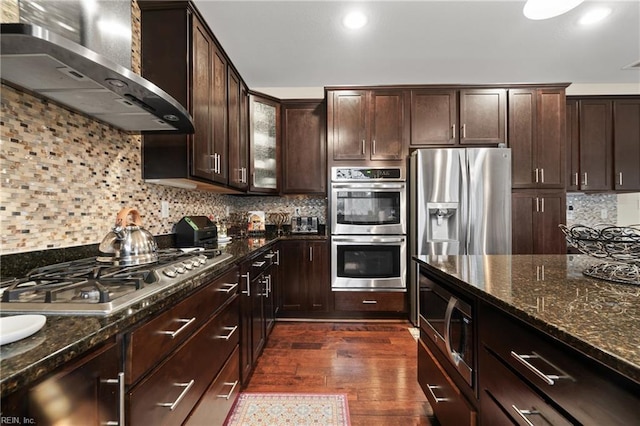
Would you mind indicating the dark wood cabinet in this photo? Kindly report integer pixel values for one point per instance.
(536, 216)
(626, 144)
(533, 376)
(469, 116)
(304, 277)
(264, 144)
(483, 116)
(88, 391)
(434, 117)
(596, 144)
(238, 137)
(368, 125)
(573, 146)
(536, 137)
(365, 301)
(304, 147)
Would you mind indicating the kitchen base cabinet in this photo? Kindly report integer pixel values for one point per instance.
(522, 367)
(217, 402)
(85, 392)
(304, 278)
(448, 403)
(167, 396)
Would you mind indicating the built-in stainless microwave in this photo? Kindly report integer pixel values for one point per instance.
(447, 320)
(368, 201)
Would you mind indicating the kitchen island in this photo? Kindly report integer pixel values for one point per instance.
(571, 341)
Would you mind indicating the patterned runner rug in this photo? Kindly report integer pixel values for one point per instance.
(291, 409)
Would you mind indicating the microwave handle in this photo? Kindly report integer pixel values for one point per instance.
(453, 304)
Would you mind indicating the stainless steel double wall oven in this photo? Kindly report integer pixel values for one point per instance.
(368, 229)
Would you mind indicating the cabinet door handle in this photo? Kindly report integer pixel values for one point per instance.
(248, 278)
(537, 204)
(231, 331)
(173, 334)
(620, 178)
(253, 178)
(464, 131)
(542, 205)
(453, 131)
(541, 175)
(524, 413)
(310, 254)
(228, 287)
(120, 382)
(577, 179)
(233, 387)
(433, 395)
(547, 378)
(373, 147)
(537, 175)
(243, 179)
(363, 146)
(172, 405)
(540, 273)
(586, 179)
(369, 302)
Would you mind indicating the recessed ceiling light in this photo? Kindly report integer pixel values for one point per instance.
(354, 20)
(595, 15)
(545, 9)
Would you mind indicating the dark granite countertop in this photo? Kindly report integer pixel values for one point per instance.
(599, 318)
(64, 337)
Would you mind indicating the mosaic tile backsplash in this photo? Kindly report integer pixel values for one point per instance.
(588, 209)
(64, 176)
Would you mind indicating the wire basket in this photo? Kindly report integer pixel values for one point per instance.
(619, 245)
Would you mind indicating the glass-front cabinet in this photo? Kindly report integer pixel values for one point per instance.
(264, 133)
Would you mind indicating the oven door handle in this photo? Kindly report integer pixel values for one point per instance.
(376, 239)
(453, 355)
(361, 186)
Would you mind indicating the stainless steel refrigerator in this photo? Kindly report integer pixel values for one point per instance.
(460, 203)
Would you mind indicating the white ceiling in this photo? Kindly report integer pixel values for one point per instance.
(303, 43)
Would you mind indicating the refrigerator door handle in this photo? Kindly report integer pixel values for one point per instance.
(465, 201)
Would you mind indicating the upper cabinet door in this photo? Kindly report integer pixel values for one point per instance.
(388, 133)
(522, 137)
(550, 134)
(434, 117)
(626, 143)
(238, 145)
(573, 146)
(304, 147)
(219, 116)
(349, 125)
(596, 145)
(483, 116)
(264, 117)
(202, 161)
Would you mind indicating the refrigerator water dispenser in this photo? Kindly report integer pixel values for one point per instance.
(443, 222)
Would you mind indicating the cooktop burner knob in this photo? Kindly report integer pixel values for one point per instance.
(170, 271)
(188, 264)
(181, 268)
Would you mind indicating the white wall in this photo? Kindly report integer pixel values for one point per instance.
(629, 209)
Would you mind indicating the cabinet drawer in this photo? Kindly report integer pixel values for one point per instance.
(151, 342)
(369, 301)
(216, 403)
(587, 390)
(448, 403)
(521, 403)
(168, 395)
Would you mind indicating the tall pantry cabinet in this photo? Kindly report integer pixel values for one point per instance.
(538, 149)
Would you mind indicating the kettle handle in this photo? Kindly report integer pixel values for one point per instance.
(123, 217)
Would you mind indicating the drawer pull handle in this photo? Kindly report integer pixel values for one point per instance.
(173, 334)
(231, 331)
(524, 413)
(369, 302)
(120, 382)
(233, 387)
(435, 398)
(172, 405)
(269, 255)
(547, 378)
(258, 264)
(228, 287)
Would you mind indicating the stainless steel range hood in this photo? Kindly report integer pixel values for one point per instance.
(54, 67)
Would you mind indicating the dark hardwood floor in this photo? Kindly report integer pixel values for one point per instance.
(374, 363)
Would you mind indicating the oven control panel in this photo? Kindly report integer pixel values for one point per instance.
(347, 174)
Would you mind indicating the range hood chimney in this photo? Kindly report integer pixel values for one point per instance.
(50, 65)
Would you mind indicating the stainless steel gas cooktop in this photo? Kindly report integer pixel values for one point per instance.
(88, 287)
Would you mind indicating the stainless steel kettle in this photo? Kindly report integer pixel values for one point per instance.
(128, 243)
